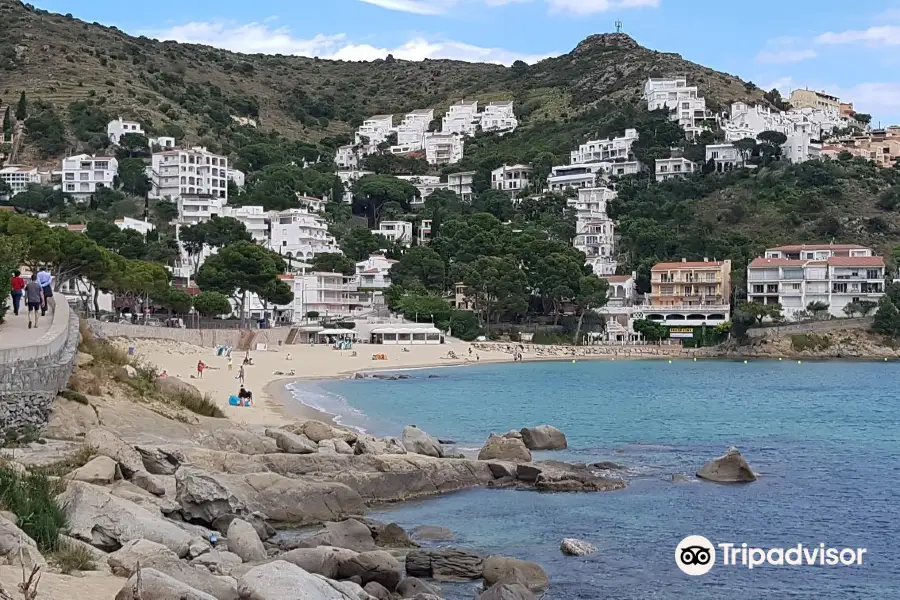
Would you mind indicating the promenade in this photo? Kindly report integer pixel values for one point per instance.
(14, 332)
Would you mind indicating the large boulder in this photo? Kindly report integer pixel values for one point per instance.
(238, 440)
(207, 496)
(350, 534)
(388, 535)
(350, 589)
(369, 445)
(157, 460)
(218, 561)
(444, 564)
(393, 446)
(244, 541)
(502, 448)
(107, 522)
(342, 447)
(378, 591)
(574, 547)
(280, 580)
(731, 467)
(141, 497)
(412, 586)
(555, 476)
(16, 547)
(292, 443)
(416, 440)
(378, 565)
(123, 561)
(159, 586)
(544, 437)
(503, 569)
(507, 591)
(323, 560)
(100, 470)
(257, 519)
(107, 443)
(432, 533)
(172, 386)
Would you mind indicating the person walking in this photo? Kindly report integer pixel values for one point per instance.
(240, 374)
(230, 362)
(45, 280)
(34, 297)
(17, 285)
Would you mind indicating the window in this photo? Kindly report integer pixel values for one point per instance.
(873, 274)
(839, 288)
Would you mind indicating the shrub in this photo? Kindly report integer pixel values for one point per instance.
(810, 341)
(32, 498)
(202, 405)
(71, 558)
(75, 396)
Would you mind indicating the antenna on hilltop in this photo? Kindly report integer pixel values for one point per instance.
(618, 26)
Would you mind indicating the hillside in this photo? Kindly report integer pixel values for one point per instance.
(195, 90)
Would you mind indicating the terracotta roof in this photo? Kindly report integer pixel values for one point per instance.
(800, 247)
(856, 261)
(76, 227)
(367, 271)
(617, 278)
(8, 208)
(285, 276)
(666, 266)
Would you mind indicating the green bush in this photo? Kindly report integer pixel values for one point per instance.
(32, 498)
(202, 405)
(810, 341)
(75, 396)
(71, 558)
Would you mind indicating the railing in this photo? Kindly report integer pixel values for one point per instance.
(680, 306)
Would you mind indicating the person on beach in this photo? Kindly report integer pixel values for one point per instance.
(246, 396)
(240, 374)
(45, 280)
(200, 368)
(34, 296)
(288, 357)
(230, 362)
(17, 285)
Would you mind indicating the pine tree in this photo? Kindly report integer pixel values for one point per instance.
(887, 318)
(22, 108)
(7, 121)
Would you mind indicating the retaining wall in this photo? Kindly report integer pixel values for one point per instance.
(811, 327)
(31, 376)
(209, 338)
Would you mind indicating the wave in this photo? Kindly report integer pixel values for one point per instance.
(322, 400)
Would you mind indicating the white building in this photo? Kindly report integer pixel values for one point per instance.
(462, 118)
(725, 156)
(347, 158)
(376, 129)
(499, 116)
(329, 294)
(311, 203)
(142, 227)
(411, 131)
(197, 208)
(512, 179)
(424, 231)
(162, 143)
(800, 147)
(82, 175)
(116, 129)
(667, 168)
(443, 148)
(461, 184)
(608, 150)
(192, 172)
(400, 232)
(348, 178)
(238, 177)
(619, 312)
(374, 273)
(254, 218)
(587, 175)
(685, 103)
(18, 178)
(425, 184)
(833, 274)
(298, 233)
(594, 230)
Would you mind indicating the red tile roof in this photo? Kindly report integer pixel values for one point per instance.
(617, 278)
(76, 227)
(9, 208)
(666, 266)
(856, 261)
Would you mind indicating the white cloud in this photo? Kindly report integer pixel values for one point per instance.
(587, 7)
(784, 56)
(253, 38)
(884, 35)
(418, 7)
(578, 7)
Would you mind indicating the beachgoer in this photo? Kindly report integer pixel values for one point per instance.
(477, 358)
(164, 374)
(200, 368)
(45, 280)
(470, 350)
(230, 362)
(34, 297)
(288, 357)
(240, 374)
(246, 396)
(17, 285)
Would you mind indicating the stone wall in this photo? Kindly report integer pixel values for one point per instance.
(208, 338)
(31, 376)
(810, 327)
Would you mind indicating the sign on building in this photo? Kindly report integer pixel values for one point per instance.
(681, 332)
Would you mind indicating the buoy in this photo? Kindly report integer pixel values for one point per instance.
(573, 360)
(695, 359)
(670, 362)
(885, 360)
(799, 362)
(779, 358)
(745, 362)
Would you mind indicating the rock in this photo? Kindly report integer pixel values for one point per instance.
(157, 461)
(126, 372)
(244, 541)
(377, 591)
(240, 441)
(574, 547)
(513, 433)
(507, 591)
(291, 443)
(100, 470)
(350, 534)
(323, 560)
(731, 467)
(108, 522)
(411, 586)
(416, 440)
(457, 455)
(327, 447)
(365, 445)
(98, 556)
(393, 446)
(432, 533)
(679, 478)
(503, 569)
(501, 448)
(389, 535)
(342, 447)
(351, 590)
(128, 491)
(377, 566)
(206, 496)
(280, 580)
(218, 561)
(107, 443)
(257, 519)
(555, 476)
(608, 466)
(199, 546)
(83, 359)
(172, 386)
(503, 470)
(444, 564)
(159, 586)
(13, 542)
(146, 481)
(5, 514)
(318, 431)
(359, 375)
(544, 437)
(124, 561)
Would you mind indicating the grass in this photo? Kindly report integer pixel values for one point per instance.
(75, 396)
(202, 405)
(16, 438)
(810, 341)
(68, 464)
(32, 498)
(104, 353)
(70, 558)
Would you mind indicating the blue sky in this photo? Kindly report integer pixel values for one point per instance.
(849, 49)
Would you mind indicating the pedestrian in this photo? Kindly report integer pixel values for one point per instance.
(230, 362)
(34, 296)
(17, 285)
(45, 280)
(240, 374)
(200, 368)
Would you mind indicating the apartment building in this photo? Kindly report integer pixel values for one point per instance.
(238, 178)
(881, 146)
(619, 312)
(512, 179)
(82, 175)
(594, 230)
(424, 231)
(587, 175)
(811, 99)
(667, 168)
(800, 147)
(376, 129)
(461, 184)
(425, 184)
(142, 227)
(348, 177)
(254, 218)
(347, 158)
(685, 103)
(19, 177)
(609, 150)
(116, 129)
(329, 294)
(374, 273)
(725, 156)
(411, 131)
(192, 172)
(311, 203)
(462, 118)
(399, 232)
(443, 148)
(299, 233)
(798, 275)
(690, 293)
(198, 208)
(499, 116)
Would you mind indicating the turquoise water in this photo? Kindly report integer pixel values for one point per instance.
(824, 436)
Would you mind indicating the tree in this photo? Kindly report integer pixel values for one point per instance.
(760, 311)
(887, 318)
(420, 265)
(212, 304)
(240, 268)
(133, 144)
(174, 300)
(776, 138)
(591, 295)
(863, 118)
(164, 212)
(497, 286)
(359, 243)
(132, 177)
(650, 331)
(496, 203)
(372, 192)
(745, 146)
(817, 308)
(333, 262)
(7, 121)
(40, 199)
(422, 306)
(22, 108)
(215, 233)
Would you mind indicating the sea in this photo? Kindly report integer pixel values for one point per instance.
(823, 436)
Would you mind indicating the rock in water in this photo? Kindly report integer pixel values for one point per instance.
(507, 591)
(574, 547)
(416, 440)
(503, 569)
(728, 468)
(432, 533)
(377, 566)
(445, 564)
(244, 541)
(502, 448)
(544, 437)
(350, 534)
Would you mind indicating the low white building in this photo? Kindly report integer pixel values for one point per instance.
(461, 184)
(311, 203)
(594, 230)
(608, 150)
(82, 175)
(116, 129)
(587, 175)
(19, 177)
(254, 218)
(667, 168)
(192, 172)
(800, 147)
(347, 158)
(142, 227)
(198, 208)
(512, 179)
(725, 156)
(403, 335)
(424, 231)
(374, 273)
(400, 232)
(162, 143)
(376, 129)
(425, 184)
(683, 101)
(499, 117)
(237, 177)
(411, 131)
(298, 233)
(443, 148)
(462, 118)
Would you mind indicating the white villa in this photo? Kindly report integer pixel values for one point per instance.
(619, 312)
(19, 177)
(425, 231)
(725, 156)
(376, 129)
(462, 118)
(667, 168)
(594, 230)
(254, 218)
(688, 108)
(443, 148)
(499, 116)
(142, 227)
(425, 184)
(461, 184)
(192, 172)
(116, 129)
(82, 175)
(298, 233)
(400, 232)
(608, 150)
(512, 179)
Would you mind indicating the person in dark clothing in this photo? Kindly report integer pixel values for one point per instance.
(34, 296)
(246, 396)
(17, 285)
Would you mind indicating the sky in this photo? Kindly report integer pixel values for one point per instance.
(849, 49)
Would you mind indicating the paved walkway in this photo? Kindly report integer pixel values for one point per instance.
(14, 331)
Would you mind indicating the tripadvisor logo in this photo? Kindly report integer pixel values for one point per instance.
(696, 555)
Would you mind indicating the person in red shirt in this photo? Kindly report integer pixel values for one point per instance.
(200, 368)
(17, 285)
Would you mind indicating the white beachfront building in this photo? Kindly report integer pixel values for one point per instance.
(667, 168)
(620, 311)
(298, 233)
(512, 179)
(83, 174)
(116, 129)
(594, 230)
(19, 177)
(462, 118)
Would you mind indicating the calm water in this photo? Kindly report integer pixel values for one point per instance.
(824, 436)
